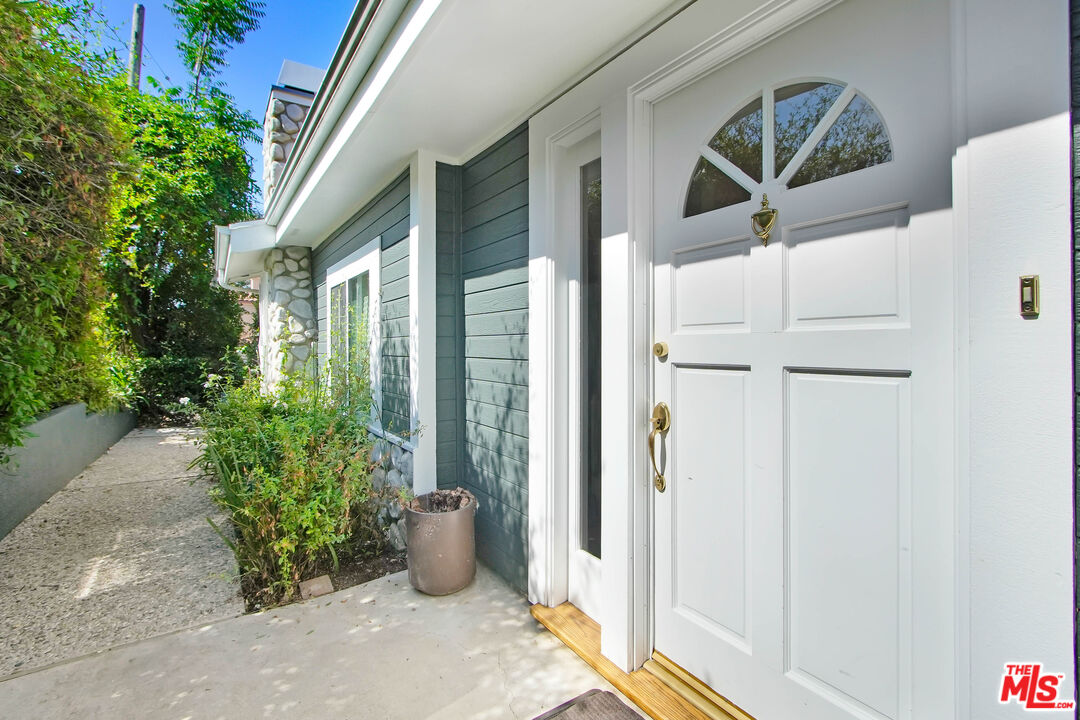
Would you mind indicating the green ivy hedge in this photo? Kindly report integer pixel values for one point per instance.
(58, 150)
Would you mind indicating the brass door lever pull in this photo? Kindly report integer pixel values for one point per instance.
(660, 423)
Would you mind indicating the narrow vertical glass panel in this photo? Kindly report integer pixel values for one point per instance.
(339, 331)
(358, 321)
(740, 139)
(856, 140)
(590, 357)
(799, 108)
(711, 189)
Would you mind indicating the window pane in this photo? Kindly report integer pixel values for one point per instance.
(799, 108)
(339, 323)
(740, 139)
(590, 356)
(358, 320)
(857, 140)
(711, 189)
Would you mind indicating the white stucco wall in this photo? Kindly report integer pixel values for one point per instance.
(1012, 200)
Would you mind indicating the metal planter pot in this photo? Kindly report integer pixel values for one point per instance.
(441, 547)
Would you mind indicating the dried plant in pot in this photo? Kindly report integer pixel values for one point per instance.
(439, 531)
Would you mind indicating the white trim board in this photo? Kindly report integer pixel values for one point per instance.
(422, 320)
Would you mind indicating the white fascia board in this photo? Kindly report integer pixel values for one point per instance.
(364, 103)
(341, 88)
(251, 236)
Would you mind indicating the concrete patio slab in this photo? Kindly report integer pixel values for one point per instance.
(123, 552)
(379, 650)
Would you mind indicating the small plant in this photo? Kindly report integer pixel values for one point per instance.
(293, 472)
(405, 496)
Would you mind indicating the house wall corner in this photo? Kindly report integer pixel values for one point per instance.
(287, 315)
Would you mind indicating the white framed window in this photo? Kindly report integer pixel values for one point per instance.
(352, 317)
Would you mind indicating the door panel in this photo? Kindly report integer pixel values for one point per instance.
(848, 272)
(848, 491)
(712, 287)
(712, 410)
(803, 548)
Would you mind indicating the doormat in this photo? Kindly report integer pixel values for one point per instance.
(593, 705)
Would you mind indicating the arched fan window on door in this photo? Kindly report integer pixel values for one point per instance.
(818, 130)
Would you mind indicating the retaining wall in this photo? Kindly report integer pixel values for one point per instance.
(66, 441)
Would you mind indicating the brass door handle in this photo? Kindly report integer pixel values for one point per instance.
(660, 423)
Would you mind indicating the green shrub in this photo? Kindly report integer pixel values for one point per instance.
(293, 472)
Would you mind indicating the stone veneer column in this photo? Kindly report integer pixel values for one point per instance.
(291, 327)
(284, 116)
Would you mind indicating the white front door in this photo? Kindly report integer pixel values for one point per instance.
(804, 544)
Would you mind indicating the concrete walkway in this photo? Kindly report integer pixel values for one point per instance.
(123, 552)
(374, 651)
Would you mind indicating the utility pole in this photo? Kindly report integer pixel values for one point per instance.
(138, 14)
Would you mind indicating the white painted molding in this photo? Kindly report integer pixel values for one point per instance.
(962, 322)
(543, 517)
(763, 25)
(422, 312)
(1010, 173)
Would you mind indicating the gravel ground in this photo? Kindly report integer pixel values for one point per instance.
(124, 552)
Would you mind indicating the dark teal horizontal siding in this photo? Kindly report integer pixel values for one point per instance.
(494, 420)
(387, 216)
(449, 327)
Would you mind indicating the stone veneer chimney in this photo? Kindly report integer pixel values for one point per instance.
(287, 108)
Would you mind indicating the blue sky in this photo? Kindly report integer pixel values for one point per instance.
(307, 31)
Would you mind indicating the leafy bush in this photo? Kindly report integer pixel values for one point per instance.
(163, 381)
(58, 159)
(176, 387)
(293, 472)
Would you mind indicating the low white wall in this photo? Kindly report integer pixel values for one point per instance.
(66, 441)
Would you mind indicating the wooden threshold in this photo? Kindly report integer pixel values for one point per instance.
(696, 692)
(653, 692)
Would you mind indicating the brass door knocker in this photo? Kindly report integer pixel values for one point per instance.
(763, 220)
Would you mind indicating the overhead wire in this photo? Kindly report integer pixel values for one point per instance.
(127, 44)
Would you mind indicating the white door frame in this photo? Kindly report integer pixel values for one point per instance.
(554, 420)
